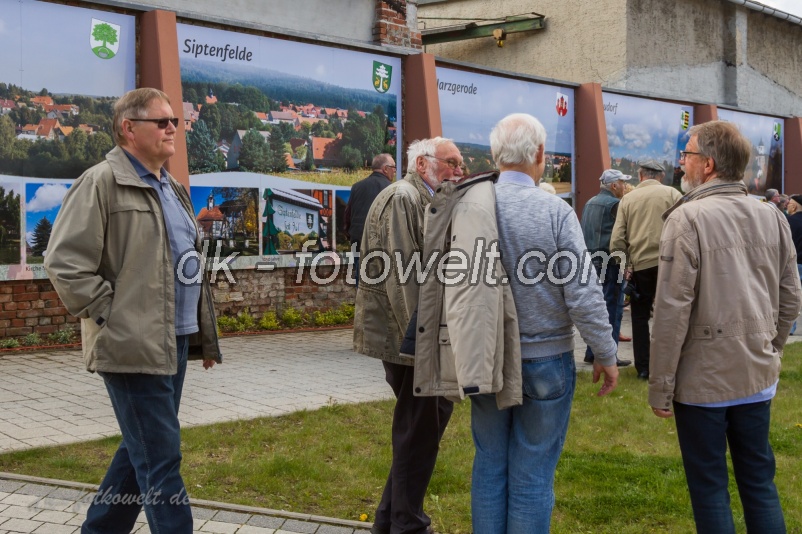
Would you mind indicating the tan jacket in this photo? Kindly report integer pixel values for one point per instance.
(109, 257)
(727, 293)
(640, 221)
(467, 332)
(384, 302)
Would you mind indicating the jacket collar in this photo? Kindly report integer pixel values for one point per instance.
(123, 170)
(648, 183)
(415, 179)
(716, 186)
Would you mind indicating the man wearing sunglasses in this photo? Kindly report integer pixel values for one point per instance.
(124, 256)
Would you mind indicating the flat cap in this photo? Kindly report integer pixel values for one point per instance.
(611, 175)
(651, 165)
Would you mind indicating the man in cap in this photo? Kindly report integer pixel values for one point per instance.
(598, 218)
(637, 233)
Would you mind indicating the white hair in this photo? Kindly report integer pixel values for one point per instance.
(424, 147)
(516, 139)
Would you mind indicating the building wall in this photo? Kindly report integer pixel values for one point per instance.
(711, 51)
(340, 19)
(582, 40)
(715, 52)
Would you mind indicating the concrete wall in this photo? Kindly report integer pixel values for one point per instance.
(699, 50)
(583, 41)
(713, 51)
(341, 19)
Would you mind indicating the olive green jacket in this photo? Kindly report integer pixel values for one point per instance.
(110, 261)
(385, 298)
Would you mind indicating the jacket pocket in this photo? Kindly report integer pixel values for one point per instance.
(448, 369)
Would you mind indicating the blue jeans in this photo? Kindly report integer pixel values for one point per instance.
(613, 298)
(517, 449)
(145, 468)
(704, 434)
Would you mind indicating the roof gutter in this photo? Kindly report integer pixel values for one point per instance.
(757, 6)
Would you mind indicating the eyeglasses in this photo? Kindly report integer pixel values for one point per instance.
(452, 163)
(391, 166)
(160, 123)
(684, 153)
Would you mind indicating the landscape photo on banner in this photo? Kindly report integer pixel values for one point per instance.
(765, 167)
(639, 129)
(471, 104)
(277, 114)
(57, 90)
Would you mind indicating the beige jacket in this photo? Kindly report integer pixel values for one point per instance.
(727, 293)
(385, 302)
(639, 222)
(467, 331)
(109, 257)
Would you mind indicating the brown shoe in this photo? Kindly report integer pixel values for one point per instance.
(624, 339)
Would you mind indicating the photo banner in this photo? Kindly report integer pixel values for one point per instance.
(294, 121)
(765, 167)
(471, 104)
(640, 128)
(57, 91)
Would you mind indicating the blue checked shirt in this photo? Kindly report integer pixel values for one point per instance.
(182, 233)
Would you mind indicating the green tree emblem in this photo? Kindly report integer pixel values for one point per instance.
(108, 36)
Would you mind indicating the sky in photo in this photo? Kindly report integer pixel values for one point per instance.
(468, 118)
(42, 201)
(640, 128)
(62, 61)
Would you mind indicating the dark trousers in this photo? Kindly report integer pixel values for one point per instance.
(418, 426)
(145, 468)
(641, 307)
(704, 434)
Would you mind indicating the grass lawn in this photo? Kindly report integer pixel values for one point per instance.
(620, 471)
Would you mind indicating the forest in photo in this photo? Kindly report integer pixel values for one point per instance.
(269, 122)
(10, 215)
(44, 135)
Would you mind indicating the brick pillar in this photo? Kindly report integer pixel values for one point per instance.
(397, 24)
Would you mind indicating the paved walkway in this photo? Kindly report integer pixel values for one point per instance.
(46, 398)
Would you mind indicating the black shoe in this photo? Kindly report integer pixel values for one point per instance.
(643, 375)
(376, 530)
(623, 363)
(588, 359)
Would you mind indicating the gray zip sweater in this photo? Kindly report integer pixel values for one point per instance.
(551, 293)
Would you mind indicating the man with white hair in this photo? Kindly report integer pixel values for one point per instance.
(517, 449)
(384, 305)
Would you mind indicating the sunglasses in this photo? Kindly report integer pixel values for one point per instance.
(160, 123)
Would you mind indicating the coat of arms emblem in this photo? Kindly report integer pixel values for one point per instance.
(382, 74)
(104, 39)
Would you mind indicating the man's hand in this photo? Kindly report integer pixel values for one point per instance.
(662, 414)
(208, 364)
(627, 274)
(610, 378)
